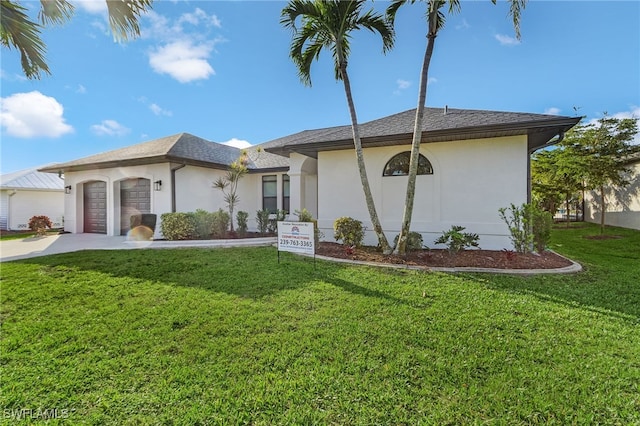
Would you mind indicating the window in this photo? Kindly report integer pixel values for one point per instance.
(399, 165)
(285, 193)
(270, 193)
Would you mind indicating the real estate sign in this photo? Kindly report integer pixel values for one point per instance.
(296, 237)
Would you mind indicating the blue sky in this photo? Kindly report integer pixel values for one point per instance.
(220, 70)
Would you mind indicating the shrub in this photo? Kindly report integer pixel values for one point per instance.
(306, 216)
(203, 222)
(279, 215)
(414, 241)
(519, 223)
(242, 218)
(541, 221)
(529, 226)
(349, 230)
(262, 219)
(457, 240)
(177, 226)
(39, 224)
(220, 224)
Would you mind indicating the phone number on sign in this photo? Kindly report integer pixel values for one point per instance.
(296, 243)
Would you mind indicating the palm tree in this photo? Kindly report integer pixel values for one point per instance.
(18, 31)
(435, 21)
(328, 24)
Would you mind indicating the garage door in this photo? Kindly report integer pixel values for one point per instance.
(135, 198)
(95, 207)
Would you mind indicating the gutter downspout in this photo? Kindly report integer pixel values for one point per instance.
(173, 186)
(551, 142)
(10, 194)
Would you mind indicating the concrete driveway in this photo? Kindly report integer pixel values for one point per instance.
(64, 243)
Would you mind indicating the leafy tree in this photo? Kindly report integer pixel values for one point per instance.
(558, 175)
(606, 148)
(435, 20)
(228, 183)
(329, 24)
(18, 31)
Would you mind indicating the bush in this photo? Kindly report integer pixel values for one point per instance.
(39, 224)
(262, 219)
(519, 224)
(541, 221)
(349, 230)
(242, 219)
(220, 226)
(177, 226)
(529, 226)
(203, 222)
(272, 228)
(414, 241)
(306, 216)
(457, 240)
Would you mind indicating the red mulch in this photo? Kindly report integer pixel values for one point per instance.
(442, 258)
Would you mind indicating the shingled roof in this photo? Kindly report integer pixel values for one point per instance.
(31, 180)
(181, 148)
(438, 126)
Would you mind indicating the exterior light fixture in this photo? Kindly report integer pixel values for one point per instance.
(67, 189)
(157, 185)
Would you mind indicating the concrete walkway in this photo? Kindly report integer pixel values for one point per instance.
(64, 243)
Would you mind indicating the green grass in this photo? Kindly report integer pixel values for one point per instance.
(229, 336)
(20, 235)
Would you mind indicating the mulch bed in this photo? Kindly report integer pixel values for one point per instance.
(442, 258)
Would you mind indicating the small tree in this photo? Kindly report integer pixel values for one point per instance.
(606, 148)
(39, 225)
(228, 183)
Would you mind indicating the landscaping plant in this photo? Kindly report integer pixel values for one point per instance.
(414, 241)
(177, 226)
(457, 240)
(242, 217)
(348, 230)
(40, 224)
(262, 219)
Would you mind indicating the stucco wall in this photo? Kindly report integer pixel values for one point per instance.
(20, 205)
(472, 179)
(623, 204)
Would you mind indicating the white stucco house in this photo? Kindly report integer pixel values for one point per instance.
(29, 193)
(473, 162)
(623, 204)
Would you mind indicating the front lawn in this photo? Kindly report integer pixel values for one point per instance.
(229, 336)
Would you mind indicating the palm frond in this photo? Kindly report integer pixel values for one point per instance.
(124, 16)
(55, 12)
(19, 32)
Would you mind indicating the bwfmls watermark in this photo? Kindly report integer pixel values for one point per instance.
(35, 413)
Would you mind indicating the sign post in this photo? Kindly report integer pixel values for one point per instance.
(297, 237)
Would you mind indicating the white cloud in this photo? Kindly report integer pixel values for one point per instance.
(30, 115)
(403, 84)
(506, 40)
(183, 60)
(463, 25)
(200, 16)
(81, 89)
(91, 6)
(109, 128)
(157, 110)
(237, 143)
(552, 111)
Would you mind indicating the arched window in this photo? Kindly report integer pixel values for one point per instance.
(399, 165)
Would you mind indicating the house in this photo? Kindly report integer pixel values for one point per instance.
(29, 193)
(472, 163)
(623, 204)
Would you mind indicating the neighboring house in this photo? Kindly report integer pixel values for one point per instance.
(473, 163)
(623, 204)
(29, 193)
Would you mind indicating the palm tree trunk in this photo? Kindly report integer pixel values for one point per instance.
(401, 247)
(377, 227)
